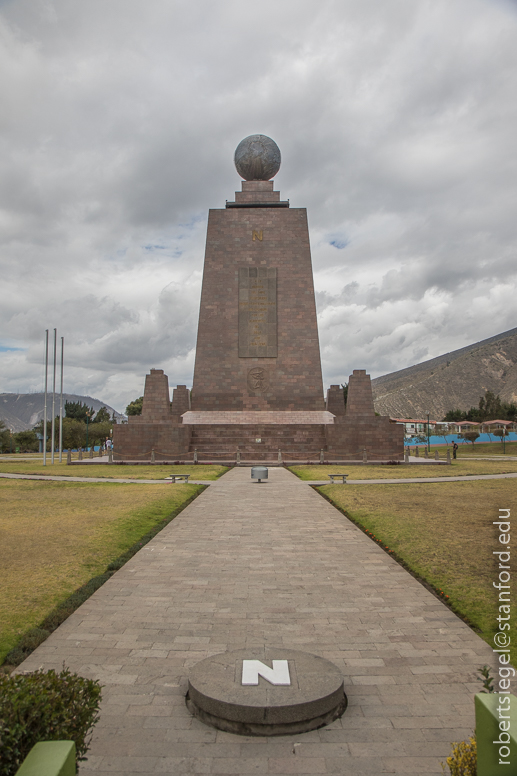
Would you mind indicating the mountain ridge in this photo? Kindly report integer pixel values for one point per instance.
(454, 380)
(21, 411)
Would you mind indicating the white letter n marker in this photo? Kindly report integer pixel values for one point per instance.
(252, 669)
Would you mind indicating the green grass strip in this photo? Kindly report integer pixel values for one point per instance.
(140, 520)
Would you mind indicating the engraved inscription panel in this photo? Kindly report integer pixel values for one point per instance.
(257, 312)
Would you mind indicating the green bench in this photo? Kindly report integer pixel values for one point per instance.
(496, 734)
(49, 758)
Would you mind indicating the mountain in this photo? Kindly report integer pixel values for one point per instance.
(21, 411)
(455, 380)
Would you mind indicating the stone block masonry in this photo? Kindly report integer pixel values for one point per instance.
(157, 428)
(358, 429)
(257, 345)
(257, 354)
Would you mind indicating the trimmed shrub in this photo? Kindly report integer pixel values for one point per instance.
(463, 761)
(45, 706)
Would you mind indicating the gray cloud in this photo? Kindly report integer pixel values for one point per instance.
(396, 123)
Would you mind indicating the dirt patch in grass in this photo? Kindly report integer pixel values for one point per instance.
(121, 471)
(444, 533)
(357, 472)
(56, 536)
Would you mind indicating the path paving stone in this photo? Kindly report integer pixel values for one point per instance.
(271, 563)
(390, 481)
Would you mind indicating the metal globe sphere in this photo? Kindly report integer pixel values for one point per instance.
(257, 158)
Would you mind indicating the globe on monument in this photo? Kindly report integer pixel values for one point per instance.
(257, 158)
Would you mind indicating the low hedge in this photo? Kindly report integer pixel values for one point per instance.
(45, 706)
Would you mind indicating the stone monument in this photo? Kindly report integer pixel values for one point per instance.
(257, 385)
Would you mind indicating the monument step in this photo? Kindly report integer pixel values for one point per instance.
(269, 439)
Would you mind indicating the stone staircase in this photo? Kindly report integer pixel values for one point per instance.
(259, 442)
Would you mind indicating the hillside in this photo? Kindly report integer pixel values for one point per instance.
(21, 411)
(454, 380)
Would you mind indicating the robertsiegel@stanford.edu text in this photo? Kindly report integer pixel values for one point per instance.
(502, 637)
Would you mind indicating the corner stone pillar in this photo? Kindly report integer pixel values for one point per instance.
(180, 401)
(336, 400)
(158, 428)
(359, 434)
(360, 397)
(156, 404)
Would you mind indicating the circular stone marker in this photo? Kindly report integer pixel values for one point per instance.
(257, 158)
(266, 691)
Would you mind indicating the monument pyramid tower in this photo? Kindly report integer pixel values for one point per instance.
(257, 343)
(257, 392)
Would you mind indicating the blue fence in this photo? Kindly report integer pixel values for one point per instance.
(450, 438)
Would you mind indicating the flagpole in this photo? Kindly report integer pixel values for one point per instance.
(61, 405)
(54, 402)
(45, 408)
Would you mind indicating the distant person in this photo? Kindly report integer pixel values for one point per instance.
(454, 449)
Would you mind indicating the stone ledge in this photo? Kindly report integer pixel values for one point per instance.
(257, 417)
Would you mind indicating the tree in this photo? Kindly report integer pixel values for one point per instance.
(27, 441)
(441, 431)
(98, 432)
(490, 407)
(455, 416)
(470, 436)
(135, 407)
(5, 437)
(500, 432)
(78, 410)
(74, 433)
(102, 416)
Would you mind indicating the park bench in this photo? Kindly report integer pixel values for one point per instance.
(178, 478)
(342, 477)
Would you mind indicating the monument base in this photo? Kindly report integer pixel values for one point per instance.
(171, 431)
(152, 442)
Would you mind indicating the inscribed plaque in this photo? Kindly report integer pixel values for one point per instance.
(257, 312)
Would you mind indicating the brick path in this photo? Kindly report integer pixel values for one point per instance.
(273, 563)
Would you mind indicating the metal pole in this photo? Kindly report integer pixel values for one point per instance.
(428, 445)
(45, 408)
(61, 405)
(54, 401)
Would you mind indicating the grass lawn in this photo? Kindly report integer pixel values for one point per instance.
(444, 533)
(358, 472)
(56, 536)
(468, 449)
(143, 472)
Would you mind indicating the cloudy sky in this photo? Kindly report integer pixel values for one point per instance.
(396, 120)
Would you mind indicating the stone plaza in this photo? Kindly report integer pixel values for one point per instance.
(250, 566)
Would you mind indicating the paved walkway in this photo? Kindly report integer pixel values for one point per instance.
(272, 563)
(62, 478)
(394, 481)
